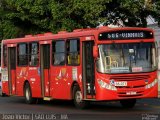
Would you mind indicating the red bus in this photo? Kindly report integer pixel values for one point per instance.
(100, 64)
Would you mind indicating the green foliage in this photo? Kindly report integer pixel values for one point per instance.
(20, 17)
(71, 14)
(131, 12)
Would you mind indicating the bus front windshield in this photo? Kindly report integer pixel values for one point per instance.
(126, 58)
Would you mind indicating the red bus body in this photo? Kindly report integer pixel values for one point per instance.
(57, 81)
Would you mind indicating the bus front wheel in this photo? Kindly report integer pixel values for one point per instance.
(78, 99)
(128, 103)
(28, 94)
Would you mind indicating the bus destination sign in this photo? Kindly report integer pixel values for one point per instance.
(125, 34)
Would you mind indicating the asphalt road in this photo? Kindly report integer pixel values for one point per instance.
(15, 108)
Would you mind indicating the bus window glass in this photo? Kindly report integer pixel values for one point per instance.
(22, 54)
(5, 55)
(73, 46)
(126, 58)
(73, 57)
(58, 51)
(33, 54)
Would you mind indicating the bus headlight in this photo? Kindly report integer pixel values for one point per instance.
(151, 84)
(106, 85)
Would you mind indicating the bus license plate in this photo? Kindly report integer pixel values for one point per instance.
(131, 93)
(123, 83)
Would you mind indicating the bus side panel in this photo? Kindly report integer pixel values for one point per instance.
(34, 79)
(60, 82)
(62, 79)
(74, 75)
(5, 87)
(32, 75)
(22, 75)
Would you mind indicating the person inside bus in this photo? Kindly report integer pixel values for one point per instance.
(34, 55)
(59, 59)
(73, 58)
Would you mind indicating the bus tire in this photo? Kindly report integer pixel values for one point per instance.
(28, 94)
(78, 99)
(4, 95)
(128, 103)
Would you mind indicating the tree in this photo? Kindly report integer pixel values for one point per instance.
(38, 16)
(131, 12)
(20, 17)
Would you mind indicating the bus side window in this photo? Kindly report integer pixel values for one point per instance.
(22, 54)
(73, 52)
(33, 54)
(5, 55)
(58, 52)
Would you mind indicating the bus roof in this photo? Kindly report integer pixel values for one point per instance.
(74, 34)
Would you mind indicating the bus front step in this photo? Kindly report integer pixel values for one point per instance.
(47, 98)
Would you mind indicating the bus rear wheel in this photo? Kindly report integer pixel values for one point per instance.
(4, 95)
(128, 103)
(28, 94)
(78, 99)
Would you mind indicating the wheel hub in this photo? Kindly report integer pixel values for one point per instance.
(27, 94)
(78, 96)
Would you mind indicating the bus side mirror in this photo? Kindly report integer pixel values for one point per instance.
(95, 51)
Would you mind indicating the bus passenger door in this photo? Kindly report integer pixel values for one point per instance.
(45, 69)
(12, 70)
(88, 70)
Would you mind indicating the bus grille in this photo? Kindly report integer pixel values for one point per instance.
(131, 78)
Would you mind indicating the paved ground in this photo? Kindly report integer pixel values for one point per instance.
(15, 108)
